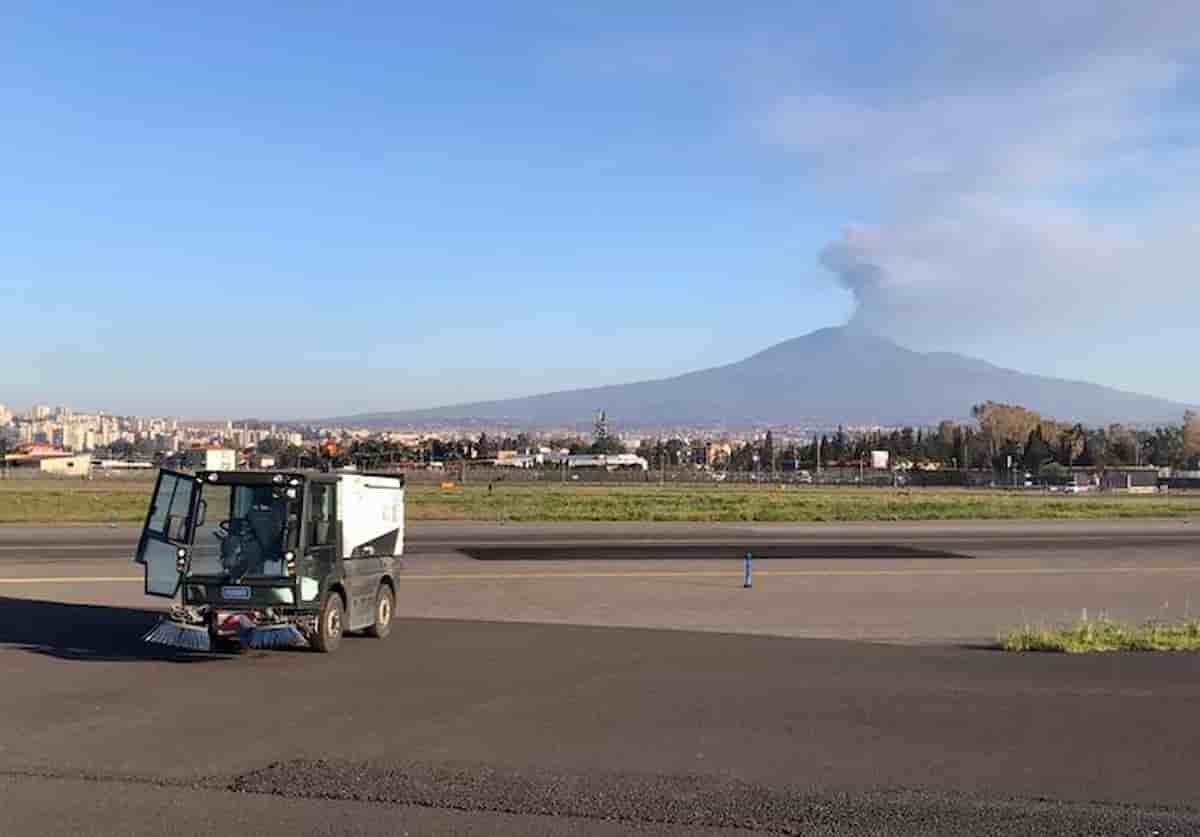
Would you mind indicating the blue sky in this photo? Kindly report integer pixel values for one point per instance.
(314, 209)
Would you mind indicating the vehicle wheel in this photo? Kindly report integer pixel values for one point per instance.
(385, 607)
(330, 626)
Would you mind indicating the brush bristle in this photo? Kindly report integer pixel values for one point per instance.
(188, 637)
(274, 636)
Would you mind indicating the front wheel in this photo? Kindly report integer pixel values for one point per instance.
(330, 626)
(385, 606)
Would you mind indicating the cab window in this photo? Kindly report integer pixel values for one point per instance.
(321, 515)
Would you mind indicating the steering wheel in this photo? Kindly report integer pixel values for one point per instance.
(239, 527)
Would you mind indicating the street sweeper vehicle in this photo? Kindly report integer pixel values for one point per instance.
(272, 559)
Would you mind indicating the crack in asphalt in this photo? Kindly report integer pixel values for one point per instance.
(191, 783)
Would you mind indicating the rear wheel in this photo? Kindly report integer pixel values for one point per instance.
(330, 625)
(385, 607)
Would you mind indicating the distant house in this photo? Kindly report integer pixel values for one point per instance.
(512, 459)
(1131, 480)
(122, 465)
(50, 460)
(1189, 480)
(204, 459)
(264, 461)
(608, 461)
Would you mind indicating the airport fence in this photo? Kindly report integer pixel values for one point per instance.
(686, 476)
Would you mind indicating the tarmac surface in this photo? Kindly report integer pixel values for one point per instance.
(939, 583)
(525, 692)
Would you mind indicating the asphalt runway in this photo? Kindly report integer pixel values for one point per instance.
(529, 696)
(957, 583)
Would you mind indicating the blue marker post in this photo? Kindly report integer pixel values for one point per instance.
(749, 579)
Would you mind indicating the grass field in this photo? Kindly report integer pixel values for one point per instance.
(124, 501)
(1090, 636)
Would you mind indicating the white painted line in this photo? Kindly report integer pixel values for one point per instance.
(792, 573)
(543, 576)
(77, 579)
(71, 548)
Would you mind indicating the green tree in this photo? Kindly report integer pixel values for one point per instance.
(1037, 452)
(296, 456)
(1098, 449)
(947, 447)
(1070, 444)
(1191, 439)
(838, 446)
(1086, 457)
(607, 445)
(1053, 473)
(742, 458)
(1121, 444)
(271, 447)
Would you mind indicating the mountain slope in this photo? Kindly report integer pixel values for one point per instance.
(832, 375)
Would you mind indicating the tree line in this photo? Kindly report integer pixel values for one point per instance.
(1000, 437)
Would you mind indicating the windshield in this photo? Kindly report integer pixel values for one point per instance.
(245, 531)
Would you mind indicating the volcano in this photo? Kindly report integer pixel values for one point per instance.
(831, 376)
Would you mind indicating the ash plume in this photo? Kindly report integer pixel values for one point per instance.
(1019, 172)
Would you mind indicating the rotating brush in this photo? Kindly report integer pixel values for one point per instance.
(273, 636)
(179, 635)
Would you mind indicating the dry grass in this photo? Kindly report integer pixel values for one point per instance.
(74, 501)
(765, 504)
(98, 501)
(1091, 636)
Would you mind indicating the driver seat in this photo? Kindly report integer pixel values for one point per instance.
(263, 552)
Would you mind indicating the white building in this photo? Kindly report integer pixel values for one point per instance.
(610, 461)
